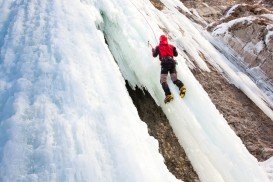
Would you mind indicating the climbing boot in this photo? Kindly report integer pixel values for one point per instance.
(182, 91)
(168, 98)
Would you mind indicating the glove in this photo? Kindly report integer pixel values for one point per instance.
(153, 50)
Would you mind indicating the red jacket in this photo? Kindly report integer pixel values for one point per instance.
(164, 49)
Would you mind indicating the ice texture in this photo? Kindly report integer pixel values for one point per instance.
(268, 167)
(216, 153)
(65, 114)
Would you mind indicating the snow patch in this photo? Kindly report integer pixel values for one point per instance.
(269, 35)
(231, 10)
(255, 49)
(268, 167)
(224, 27)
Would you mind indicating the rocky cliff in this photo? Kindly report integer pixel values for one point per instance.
(248, 30)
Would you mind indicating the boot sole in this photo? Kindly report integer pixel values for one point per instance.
(183, 93)
(168, 101)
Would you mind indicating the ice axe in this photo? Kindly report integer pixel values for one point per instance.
(149, 44)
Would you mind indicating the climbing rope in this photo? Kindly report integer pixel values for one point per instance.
(145, 20)
(149, 44)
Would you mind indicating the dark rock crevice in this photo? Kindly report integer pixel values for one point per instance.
(159, 127)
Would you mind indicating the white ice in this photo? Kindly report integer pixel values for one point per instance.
(216, 153)
(224, 27)
(65, 114)
(268, 167)
(231, 10)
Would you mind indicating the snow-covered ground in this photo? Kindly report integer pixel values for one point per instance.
(65, 114)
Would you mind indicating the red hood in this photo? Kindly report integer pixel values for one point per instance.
(163, 39)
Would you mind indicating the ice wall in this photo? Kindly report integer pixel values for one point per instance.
(65, 114)
(216, 153)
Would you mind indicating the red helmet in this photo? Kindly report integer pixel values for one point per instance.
(163, 39)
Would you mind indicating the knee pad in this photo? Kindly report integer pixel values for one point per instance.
(163, 78)
(174, 77)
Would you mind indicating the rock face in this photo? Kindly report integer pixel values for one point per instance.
(248, 30)
(209, 10)
(268, 3)
(158, 4)
(239, 11)
(213, 10)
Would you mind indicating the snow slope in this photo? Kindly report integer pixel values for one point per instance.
(65, 114)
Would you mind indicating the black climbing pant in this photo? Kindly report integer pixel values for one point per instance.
(168, 66)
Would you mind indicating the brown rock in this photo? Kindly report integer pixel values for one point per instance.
(250, 59)
(267, 152)
(267, 67)
(158, 4)
(247, 38)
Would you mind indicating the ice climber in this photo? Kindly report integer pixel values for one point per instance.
(166, 53)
